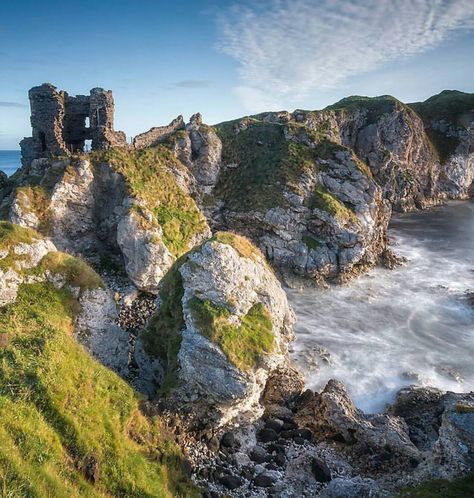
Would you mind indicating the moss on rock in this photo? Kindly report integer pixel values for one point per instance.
(323, 199)
(243, 344)
(162, 336)
(265, 164)
(149, 177)
(75, 271)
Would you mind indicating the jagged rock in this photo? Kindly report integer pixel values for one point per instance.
(227, 291)
(322, 214)
(442, 425)
(147, 258)
(283, 385)
(204, 155)
(97, 331)
(449, 122)
(374, 442)
(357, 487)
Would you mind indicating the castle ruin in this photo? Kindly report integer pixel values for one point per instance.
(62, 123)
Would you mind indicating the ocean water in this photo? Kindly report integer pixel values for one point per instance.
(389, 329)
(10, 161)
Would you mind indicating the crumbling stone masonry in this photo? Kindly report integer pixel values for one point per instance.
(62, 123)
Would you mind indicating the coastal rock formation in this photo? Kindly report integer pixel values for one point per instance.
(449, 123)
(100, 208)
(374, 444)
(62, 123)
(28, 258)
(441, 424)
(223, 326)
(311, 205)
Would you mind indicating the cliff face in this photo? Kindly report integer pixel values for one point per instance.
(313, 189)
(132, 209)
(449, 123)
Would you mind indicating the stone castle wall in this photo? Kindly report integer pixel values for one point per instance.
(61, 124)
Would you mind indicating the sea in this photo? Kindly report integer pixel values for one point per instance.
(10, 161)
(393, 328)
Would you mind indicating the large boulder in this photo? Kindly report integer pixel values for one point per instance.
(222, 328)
(442, 425)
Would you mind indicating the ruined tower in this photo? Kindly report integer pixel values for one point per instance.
(62, 123)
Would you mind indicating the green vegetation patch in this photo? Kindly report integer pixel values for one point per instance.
(162, 336)
(10, 236)
(76, 271)
(375, 106)
(243, 345)
(71, 427)
(311, 242)
(149, 178)
(451, 106)
(323, 199)
(35, 199)
(266, 164)
(442, 488)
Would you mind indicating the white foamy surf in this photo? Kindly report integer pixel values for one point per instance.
(389, 329)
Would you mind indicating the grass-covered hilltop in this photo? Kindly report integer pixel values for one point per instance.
(144, 329)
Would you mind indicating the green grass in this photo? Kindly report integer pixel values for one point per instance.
(323, 199)
(375, 106)
(76, 271)
(12, 235)
(70, 427)
(267, 163)
(243, 345)
(162, 336)
(149, 178)
(451, 106)
(441, 488)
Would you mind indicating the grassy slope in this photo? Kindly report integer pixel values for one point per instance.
(71, 427)
(440, 488)
(149, 179)
(375, 106)
(268, 164)
(451, 106)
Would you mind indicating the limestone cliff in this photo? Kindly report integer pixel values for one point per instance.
(131, 208)
(222, 326)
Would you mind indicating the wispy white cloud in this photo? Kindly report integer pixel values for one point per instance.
(11, 104)
(287, 49)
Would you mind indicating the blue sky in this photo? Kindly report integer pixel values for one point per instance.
(226, 59)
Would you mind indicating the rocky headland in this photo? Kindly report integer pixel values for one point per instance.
(165, 262)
